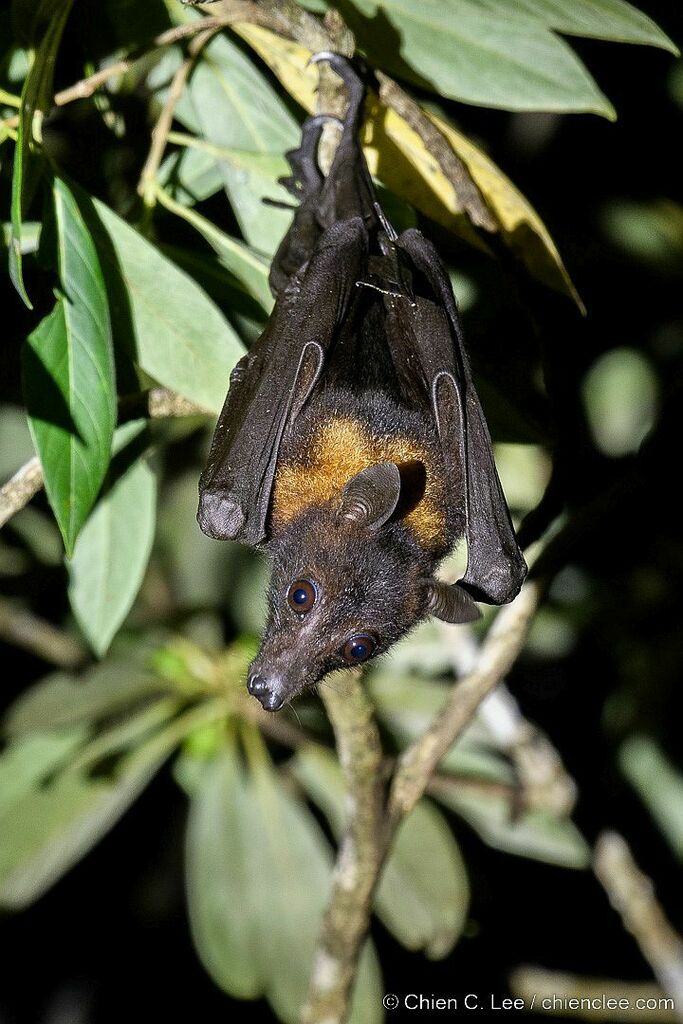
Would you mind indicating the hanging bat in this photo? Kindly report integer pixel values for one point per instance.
(352, 446)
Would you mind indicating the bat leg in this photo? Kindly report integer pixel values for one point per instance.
(351, 79)
(348, 190)
(306, 177)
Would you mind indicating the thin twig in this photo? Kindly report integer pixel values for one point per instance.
(18, 491)
(632, 895)
(495, 657)
(88, 86)
(147, 182)
(357, 867)
(541, 778)
(569, 995)
(159, 403)
(24, 629)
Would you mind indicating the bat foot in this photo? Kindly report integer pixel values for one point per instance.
(346, 70)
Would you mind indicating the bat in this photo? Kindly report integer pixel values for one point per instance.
(352, 446)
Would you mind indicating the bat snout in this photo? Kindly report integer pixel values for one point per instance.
(265, 691)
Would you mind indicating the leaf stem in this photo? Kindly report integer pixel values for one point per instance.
(22, 628)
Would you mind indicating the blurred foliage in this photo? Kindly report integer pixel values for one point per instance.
(115, 284)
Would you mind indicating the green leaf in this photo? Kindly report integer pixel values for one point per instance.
(659, 785)
(598, 19)
(112, 551)
(190, 175)
(26, 763)
(202, 574)
(68, 373)
(245, 315)
(176, 333)
(229, 103)
(423, 895)
(57, 818)
(536, 834)
(650, 232)
(258, 875)
(461, 49)
(36, 101)
(62, 700)
(621, 399)
(242, 262)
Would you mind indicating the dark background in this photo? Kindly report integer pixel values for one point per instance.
(110, 942)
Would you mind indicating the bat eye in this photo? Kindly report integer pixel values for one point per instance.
(359, 648)
(301, 596)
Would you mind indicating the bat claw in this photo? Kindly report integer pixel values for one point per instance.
(321, 119)
(344, 67)
(328, 55)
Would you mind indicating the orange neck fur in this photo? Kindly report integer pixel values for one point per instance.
(338, 449)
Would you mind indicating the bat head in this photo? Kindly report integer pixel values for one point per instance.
(348, 581)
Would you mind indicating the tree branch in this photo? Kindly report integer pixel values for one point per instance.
(495, 658)
(632, 895)
(537, 986)
(24, 629)
(18, 491)
(356, 871)
(289, 19)
(371, 830)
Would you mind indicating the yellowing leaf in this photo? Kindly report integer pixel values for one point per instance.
(397, 155)
(520, 225)
(287, 60)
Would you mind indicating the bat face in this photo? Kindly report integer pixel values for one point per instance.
(340, 595)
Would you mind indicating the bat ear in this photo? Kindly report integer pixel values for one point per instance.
(371, 496)
(450, 603)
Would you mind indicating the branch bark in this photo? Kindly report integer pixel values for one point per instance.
(632, 895)
(18, 491)
(346, 919)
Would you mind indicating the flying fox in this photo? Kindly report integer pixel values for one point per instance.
(352, 446)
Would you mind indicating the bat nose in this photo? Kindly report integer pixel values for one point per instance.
(258, 687)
